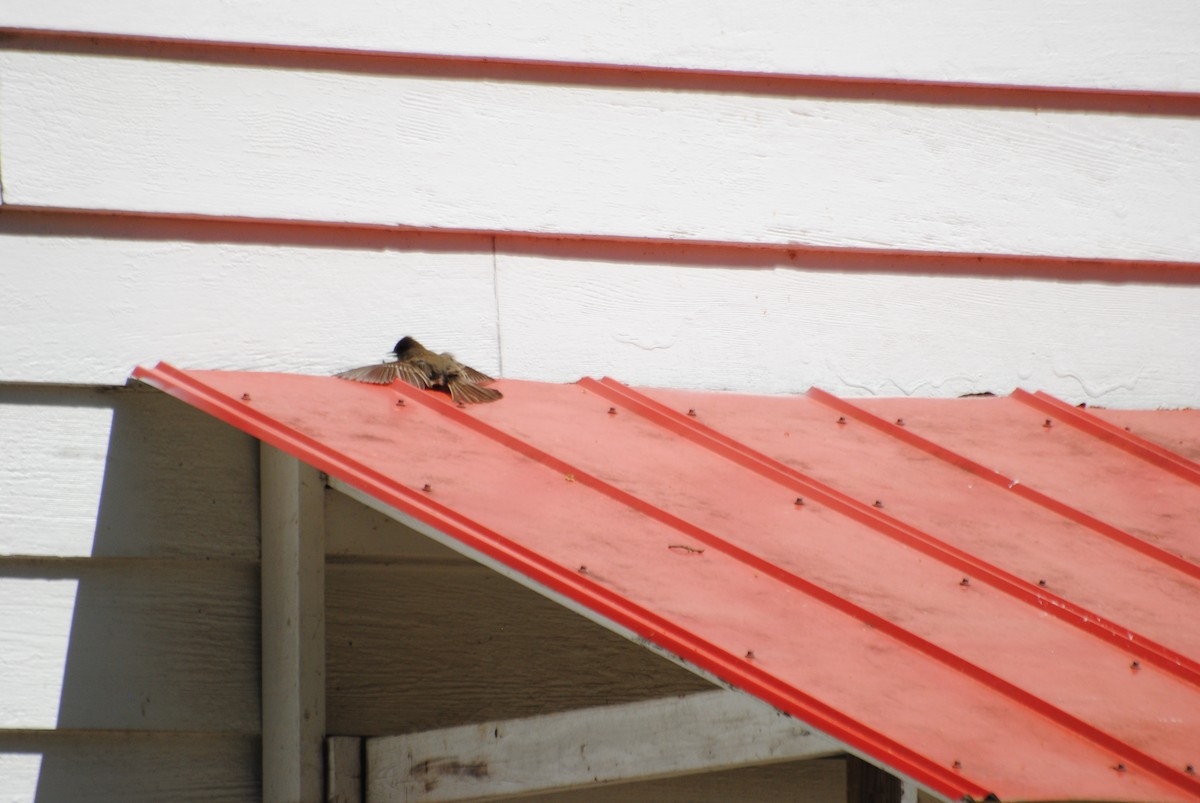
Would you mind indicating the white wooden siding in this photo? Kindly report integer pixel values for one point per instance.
(1104, 44)
(81, 308)
(779, 330)
(468, 151)
(726, 320)
(129, 602)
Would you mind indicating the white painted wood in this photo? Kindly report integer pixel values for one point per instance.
(35, 631)
(417, 645)
(79, 308)
(293, 628)
(344, 770)
(52, 473)
(120, 473)
(131, 644)
(659, 323)
(626, 161)
(613, 744)
(1105, 44)
(821, 781)
(123, 767)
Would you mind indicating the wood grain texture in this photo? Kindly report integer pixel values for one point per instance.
(419, 646)
(89, 308)
(355, 533)
(1100, 44)
(293, 628)
(124, 767)
(668, 737)
(123, 473)
(608, 160)
(663, 323)
(820, 781)
(133, 644)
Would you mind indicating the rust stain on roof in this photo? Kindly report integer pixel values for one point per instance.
(992, 596)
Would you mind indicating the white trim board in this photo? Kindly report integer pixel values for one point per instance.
(662, 738)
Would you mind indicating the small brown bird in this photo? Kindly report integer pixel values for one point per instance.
(421, 367)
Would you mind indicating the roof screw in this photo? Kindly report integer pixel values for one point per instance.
(1042, 583)
(878, 503)
(1082, 405)
(245, 397)
(582, 570)
(1047, 424)
(612, 410)
(399, 402)
(1135, 666)
(1190, 769)
(799, 501)
(428, 488)
(1119, 768)
(957, 764)
(692, 413)
(460, 404)
(899, 422)
(842, 420)
(966, 581)
(1127, 429)
(749, 655)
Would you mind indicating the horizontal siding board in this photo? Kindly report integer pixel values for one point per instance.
(116, 767)
(90, 472)
(1108, 44)
(355, 532)
(661, 323)
(413, 646)
(313, 307)
(130, 644)
(445, 151)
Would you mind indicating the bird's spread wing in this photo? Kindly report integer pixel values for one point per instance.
(386, 373)
(473, 376)
(468, 393)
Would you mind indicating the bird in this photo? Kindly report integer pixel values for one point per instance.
(423, 368)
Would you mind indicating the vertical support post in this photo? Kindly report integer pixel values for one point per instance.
(344, 769)
(293, 628)
(866, 783)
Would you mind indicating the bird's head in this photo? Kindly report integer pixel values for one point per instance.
(404, 345)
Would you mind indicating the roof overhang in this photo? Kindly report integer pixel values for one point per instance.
(990, 596)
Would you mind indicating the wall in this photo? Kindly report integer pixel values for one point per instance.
(927, 198)
(128, 599)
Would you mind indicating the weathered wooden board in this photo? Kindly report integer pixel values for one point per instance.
(355, 533)
(293, 628)
(86, 303)
(124, 767)
(1099, 44)
(139, 644)
(417, 645)
(588, 747)
(121, 473)
(819, 781)
(445, 149)
(659, 322)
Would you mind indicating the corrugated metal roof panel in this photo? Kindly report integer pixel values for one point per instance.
(976, 599)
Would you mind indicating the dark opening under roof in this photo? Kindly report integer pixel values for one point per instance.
(991, 596)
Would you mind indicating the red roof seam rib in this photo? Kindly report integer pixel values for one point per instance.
(1157, 654)
(1152, 453)
(1118, 749)
(1122, 537)
(570, 584)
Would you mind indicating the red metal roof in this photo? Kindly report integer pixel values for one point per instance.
(992, 596)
